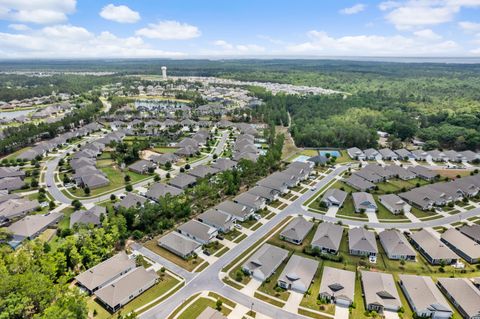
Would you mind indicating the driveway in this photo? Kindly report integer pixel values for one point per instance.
(390, 315)
(251, 287)
(341, 312)
(293, 301)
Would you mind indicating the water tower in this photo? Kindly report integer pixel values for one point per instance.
(164, 72)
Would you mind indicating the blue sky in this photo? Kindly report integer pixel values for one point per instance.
(246, 28)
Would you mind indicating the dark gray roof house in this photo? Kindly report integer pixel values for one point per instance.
(463, 294)
(380, 292)
(422, 172)
(14, 207)
(142, 166)
(434, 250)
(223, 164)
(253, 201)
(91, 216)
(296, 230)
(182, 181)
(265, 192)
(198, 231)
(158, 190)
(179, 244)
(131, 200)
(362, 242)
(238, 211)
(471, 231)
(396, 245)
(221, 221)
(264, 261)
(365, 202)
(298, 273)
(337, 286)
(359, 183)
(394, 204)
(31, 226)
(11, 183)
(334, 197)
(328, 237)
(202, 171)
(275, 184)
(95, 181)
(11, 172)
(462, 245)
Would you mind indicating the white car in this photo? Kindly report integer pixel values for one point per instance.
(238, 226)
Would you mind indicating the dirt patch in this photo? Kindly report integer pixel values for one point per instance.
(147, 154)
(452, 173)
(289, 147)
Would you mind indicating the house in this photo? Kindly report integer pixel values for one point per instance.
(372, 154)
(224, 164)
(359, 183)
(453, 156)
(404, 154)
(198, 231)
(210, 313)
(202, 171)
(11, 172)
(424, 297)
(396, 245)
(301, 169)
(388, 154)
(369, 175)
(288, 178)
(298, 274)
(462, 245)
(400, 172)
(472, 232)
(394, 204)
(124, 289)
(159, 190)
(15, 207)
(420, 155)
(364, 202)
(142, 167)
(105, 272)
(263, 263)
(92, 216)
(275, 184)
(378, 170)
(29, 227)
(131, 200)
(163, 159)
(435, 251)
(327, 238)
(238, 211)
(179, 244)
(337, 286)
(470, 157)
(463, 295)
(423, 172)
(250, 200)
(221, 221)
(11, 183)
(419, 199)
(380, 292)
(355, 153)
(361, 242)
(334, 197)
(182, 181)
(94, 181)
(296, 230)
(269, 194)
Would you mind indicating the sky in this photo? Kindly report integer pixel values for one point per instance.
(239, 29)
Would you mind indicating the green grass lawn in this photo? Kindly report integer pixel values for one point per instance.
(269, 300)
(310, 299)
(231, 235)
(188, 264)
(195, 309)
(269, 286)
(240, 238)
(165, 150)
(421, 213)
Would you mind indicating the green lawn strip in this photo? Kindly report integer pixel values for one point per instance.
(310, 299)
(64, 223)
(240, 238)
(256, 226)
(202, 267)
(269, 286)
(249, 222)
(275, 204)
(453, 212)
(231, 235)
(180, 308)
(232, 283)
(225, 301)
(421, 213)
(385, 188)
(188, 264)
(269, 300)
(314, 315)
(432, 217)
(270, 216)
(195, 309)
(221, 252)
(319, 192)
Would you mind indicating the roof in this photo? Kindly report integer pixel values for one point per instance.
(95, 180)
(297, 229)
(423, 294)
(215, 218)
(462, 243)
(91, 216)
(422, 171)
(10, 172)
(264, 192)
(197, 229)
(16, 206)
(158, 190)
(249, 199)
(105, 271)
(393, 201)
(11, 183)
(337, 282)
(266, 259)
(202, 171)
(29, 225)
(432, 245)
(362, 240)
(182, 180)
(362, 200)
(328, 236)
(396, 244)
(125, 286)
(299, 269)
(232, 208)
(464, 293)
(472, 231)
(334, 195)
(359, 183)
(379, 288)
(210, 313)
(179, 243)
(224, 164)
(131, 200)
(141, 165)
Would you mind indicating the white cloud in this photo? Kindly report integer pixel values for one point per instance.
(229, 49)
(37, 11)
(372, 45)
(354, 9)
(121, 14)
(421, 13)
(468, 26)
(19, 27)
(427, 34)
(67, 41)
(169, 30)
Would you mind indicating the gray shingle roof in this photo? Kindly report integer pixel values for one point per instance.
(297, 229)
(464, 293)
(266, 260)
(379, 288)
(328, 236)
(361, 239)
(176, 242)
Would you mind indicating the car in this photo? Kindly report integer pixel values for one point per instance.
(238, 226)
(206, 252)
(313, 189)
(220, 237)
(257, 217)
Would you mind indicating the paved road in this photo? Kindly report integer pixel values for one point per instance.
(209, 279)
(57, 194)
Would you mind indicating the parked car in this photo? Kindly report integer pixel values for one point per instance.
(206, 252)
(219, 236)
(238, 226)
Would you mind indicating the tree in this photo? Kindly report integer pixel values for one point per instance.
(129, 188)
(156, 178)
(113, 197)
(168, 166)
(127, 178)
(218, 305)
(76, 204)
(86, 190)
(51, 205)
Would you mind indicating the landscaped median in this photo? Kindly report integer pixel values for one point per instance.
(196, 304)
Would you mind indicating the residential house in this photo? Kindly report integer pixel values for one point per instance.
(131, 200)
(327, 238)
(380, 292)
(361, 242)
(263, 263)
(298, 273)
(463, 295)
(198, 231)
(238, 211)
(394, 204)
(423, 172)
(202, 171)
(400, 172)
(182, 181)
(424, 297)
(269, 194)
(14, 207)
(92, 216)
(159, 190)
(388, 154)
(404, 154)
(142, 167)
(372, 154)
(221, 221)
(253, 201)
(472, 232)
(31, 226)
(364, 202)
(462, 245)
(396, 245)
(296, 230)
(11, 183)
(275, 184)
(179, 244)
(334, 197)
(355, 153)
(224, 164)
(434, 250)
(337, 286)
(359, 183)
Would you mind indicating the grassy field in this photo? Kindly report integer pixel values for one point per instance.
(269, 300)
(165, 150)
(188, 264)
(195, 309)
(269, 286)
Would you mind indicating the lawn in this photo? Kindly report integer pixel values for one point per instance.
(165, 150)
(310, 299)
(310, 314)
(269, 300)
(188, 264)
(384, 213)
(195, 309)
(240, 238)
(269, 286)
(421, 213)
(349, 210)
(231, 235)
